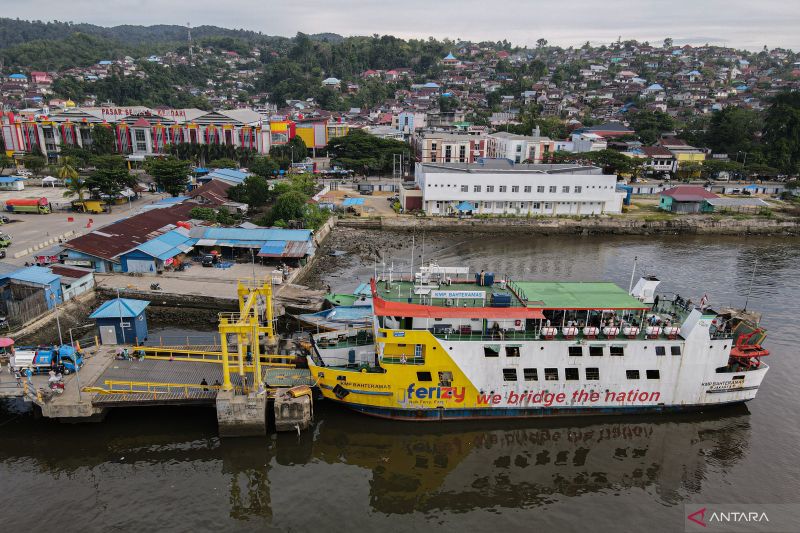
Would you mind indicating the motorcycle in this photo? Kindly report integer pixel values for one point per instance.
(155, 286)
(57, 386)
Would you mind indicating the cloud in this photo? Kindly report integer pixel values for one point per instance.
(743, 23)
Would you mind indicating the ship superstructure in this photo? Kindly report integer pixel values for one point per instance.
(446, 344)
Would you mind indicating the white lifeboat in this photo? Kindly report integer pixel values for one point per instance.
(653, 332)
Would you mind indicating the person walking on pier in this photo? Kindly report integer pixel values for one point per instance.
(18, 377)
(29, 374)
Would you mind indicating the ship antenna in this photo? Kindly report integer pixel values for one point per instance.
(422, 257)
(412, 259)
(752, 278)
(633, 273)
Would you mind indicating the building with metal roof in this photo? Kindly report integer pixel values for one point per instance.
(100, 249)
(153, 255)
(227, 175)
(121, 321)
(684, 199)
(265, 242)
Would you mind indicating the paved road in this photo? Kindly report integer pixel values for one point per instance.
(29, 230)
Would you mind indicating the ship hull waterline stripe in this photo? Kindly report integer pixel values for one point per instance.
(436, 415)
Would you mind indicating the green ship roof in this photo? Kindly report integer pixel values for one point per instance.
(576, 295)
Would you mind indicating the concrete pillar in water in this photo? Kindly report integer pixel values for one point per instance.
(292, 414)
(241, 416)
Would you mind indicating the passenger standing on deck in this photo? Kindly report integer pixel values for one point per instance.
(655, 303)
(204, 383)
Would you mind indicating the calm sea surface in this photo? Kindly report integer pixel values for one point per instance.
(166, 469)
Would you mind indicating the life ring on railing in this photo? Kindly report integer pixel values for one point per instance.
(518, 322)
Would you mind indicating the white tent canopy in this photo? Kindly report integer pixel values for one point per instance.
(49, 180)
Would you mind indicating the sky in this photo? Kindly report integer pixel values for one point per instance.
(741, 24)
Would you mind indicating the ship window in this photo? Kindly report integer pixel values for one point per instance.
(661, 350)
(632, 374)
(491, 351)
(575, 351)
(675, 350)
(617, 350)
(738, 378)
(551, 374)
(530, 374)
(445, 378)
(593, 373)
(596, 351)
(512, 351)
(424, 376)
(509, 374)
(653, 374)
(571, 374)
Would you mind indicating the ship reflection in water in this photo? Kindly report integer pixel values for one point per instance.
(420, 467)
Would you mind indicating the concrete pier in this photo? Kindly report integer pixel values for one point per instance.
(241, 416)
(292, 414)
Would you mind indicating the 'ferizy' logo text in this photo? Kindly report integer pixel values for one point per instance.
(456, 394)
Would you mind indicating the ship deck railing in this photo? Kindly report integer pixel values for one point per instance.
(537, 336)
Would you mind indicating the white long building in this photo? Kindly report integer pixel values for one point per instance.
(499, 187)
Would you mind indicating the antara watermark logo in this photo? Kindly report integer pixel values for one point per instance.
(741, 517)
(457, 394)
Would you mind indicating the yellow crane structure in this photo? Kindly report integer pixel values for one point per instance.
(253, 321)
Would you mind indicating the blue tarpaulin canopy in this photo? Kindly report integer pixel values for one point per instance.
(465, 206)
(352, 201)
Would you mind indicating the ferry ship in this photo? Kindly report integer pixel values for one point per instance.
(445, 344)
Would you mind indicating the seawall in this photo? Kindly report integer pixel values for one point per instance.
(699, 225)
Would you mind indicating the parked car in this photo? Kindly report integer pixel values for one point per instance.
(209, 260)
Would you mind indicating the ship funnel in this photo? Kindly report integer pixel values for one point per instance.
(645, 289)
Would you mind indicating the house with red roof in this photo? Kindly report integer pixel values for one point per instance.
(684, 199)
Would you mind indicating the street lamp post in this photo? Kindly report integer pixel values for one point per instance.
(77, 364)
(58, 321)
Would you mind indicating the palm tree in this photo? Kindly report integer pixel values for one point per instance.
(67, 170)
(72, 181)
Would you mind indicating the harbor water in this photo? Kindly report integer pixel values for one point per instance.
(166, 469)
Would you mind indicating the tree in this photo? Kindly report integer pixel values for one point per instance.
(108, 162)
(289, 206)
(688, 170)
(712, 168)
(103, 141)
(541, 43)
(203, 213)
(223, 163)
(109, 182)
(295, 150)
(5, 162)
(365, 153)
(266, 167)
(34, 163)
(612, 161)
(75, 187)
(649, 125)
(668, 42)
(734, 130)
(781, 135)
(170, 174)
(66, 168)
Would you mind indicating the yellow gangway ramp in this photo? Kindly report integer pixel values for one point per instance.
(254, 319)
